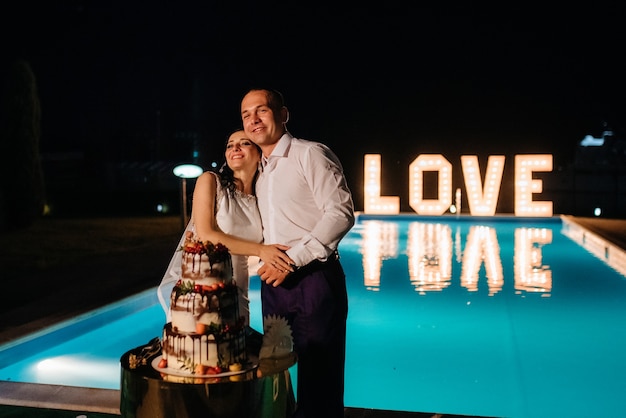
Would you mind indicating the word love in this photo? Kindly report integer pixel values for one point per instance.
(482, 196)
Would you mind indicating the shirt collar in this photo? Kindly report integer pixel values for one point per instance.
(280, 150)
(282, 146)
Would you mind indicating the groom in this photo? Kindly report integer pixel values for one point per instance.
(305, 204)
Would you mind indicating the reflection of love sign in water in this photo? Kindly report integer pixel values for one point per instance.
(482, 195)
(432, 251)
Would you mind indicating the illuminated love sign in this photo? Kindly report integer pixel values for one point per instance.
(482, 196)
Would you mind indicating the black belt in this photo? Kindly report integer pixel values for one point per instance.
(312, 267)
(318, 264)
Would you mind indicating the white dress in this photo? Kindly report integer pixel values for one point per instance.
(236, 215)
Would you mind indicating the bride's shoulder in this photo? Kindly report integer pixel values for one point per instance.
(209, 174)
(208, 177)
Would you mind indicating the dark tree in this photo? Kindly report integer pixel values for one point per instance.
(21, 174)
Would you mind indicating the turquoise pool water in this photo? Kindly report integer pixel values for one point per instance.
(490, 316)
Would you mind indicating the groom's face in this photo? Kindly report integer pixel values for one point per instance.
(260, 122)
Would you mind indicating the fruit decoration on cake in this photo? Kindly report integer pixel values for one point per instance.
(216, 253)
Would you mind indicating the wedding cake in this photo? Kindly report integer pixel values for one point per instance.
(206, 334)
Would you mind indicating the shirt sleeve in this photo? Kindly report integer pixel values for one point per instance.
(332, 196)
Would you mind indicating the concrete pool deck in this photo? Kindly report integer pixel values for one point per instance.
(114, 276)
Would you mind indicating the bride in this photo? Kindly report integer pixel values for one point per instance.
(225, 210)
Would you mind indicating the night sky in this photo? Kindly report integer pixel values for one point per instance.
(125, 81)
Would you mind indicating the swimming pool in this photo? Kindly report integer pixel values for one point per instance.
(476, 316)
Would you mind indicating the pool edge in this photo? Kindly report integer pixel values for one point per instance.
(608, 251)
(70, 398)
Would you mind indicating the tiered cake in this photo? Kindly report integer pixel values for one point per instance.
(206, 335)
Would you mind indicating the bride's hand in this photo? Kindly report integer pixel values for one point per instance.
(275, 256)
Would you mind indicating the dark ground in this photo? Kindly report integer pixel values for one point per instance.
(103, 260)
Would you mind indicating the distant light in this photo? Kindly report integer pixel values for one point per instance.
(597, 211)
(213, 164)
(452, 209)
(187, 171)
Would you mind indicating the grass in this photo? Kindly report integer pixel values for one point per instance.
(102, 259)
(52, 243)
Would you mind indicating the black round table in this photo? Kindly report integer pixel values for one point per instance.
(147, 393)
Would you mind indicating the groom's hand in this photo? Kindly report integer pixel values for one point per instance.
(272, 275)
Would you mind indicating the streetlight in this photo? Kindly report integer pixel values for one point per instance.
(186, 171)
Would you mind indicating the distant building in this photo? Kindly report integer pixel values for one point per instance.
(606, 153)
(599, 175)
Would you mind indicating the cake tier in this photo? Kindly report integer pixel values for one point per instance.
(198, 268)
(218, 348)
(196, 306)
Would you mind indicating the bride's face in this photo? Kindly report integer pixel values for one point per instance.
(242, 153)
